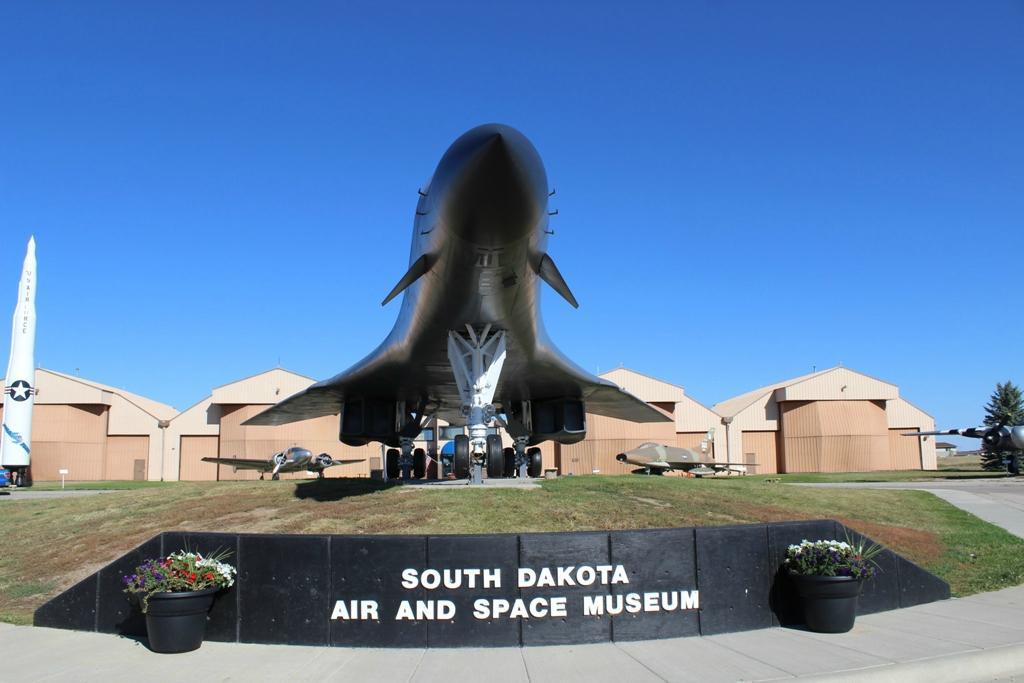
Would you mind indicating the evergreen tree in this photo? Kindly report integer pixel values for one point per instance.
(1005, 407)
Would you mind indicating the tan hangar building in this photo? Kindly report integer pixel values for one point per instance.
(834, 420)
(94, 431)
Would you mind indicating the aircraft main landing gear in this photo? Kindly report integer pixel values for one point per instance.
(495, 457)
(460, 462)
(510, 462)
(391, 463)
(536, 463)
(419, 463)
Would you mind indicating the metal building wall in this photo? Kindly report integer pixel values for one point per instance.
(71, 437)
(834, 436)
(903, 416)
(606, 438)
(192, 450)
(127, 458)
(905, 451)
(760, 447)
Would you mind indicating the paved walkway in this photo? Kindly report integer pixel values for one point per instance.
(997, 501)
(980, 638)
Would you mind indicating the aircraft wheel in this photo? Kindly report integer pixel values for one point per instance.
(495, 457)
(275, 476)
(391, 462)
(535, 462)
(419, 463)
(460, 463)
(510, 462)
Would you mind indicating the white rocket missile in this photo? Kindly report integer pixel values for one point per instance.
(19, 386)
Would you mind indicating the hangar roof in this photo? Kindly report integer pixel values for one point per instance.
(161, 411)
(645, 387)
(831, 384)
(267, 387)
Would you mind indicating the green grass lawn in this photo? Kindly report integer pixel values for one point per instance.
(53, 543)
(904, 475)
(96, 485)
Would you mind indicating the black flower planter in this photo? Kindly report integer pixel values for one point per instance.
(829, 602)
(176, 622)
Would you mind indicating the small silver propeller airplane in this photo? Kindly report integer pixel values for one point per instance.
(294, 459)
(655, 457)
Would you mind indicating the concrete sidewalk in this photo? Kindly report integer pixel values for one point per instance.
(980, 638)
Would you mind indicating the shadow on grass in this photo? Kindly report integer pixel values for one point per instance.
(326, 490)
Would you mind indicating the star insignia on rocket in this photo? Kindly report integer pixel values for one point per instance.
(19, 390)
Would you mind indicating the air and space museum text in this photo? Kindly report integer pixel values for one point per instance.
(525, 578)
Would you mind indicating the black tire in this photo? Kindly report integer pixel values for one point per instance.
(275, 476)
(495, 457)
(391, 462)
(460, 462)
(510, 462)
(419, 463)
(536, 463)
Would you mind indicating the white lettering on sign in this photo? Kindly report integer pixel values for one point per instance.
(425, 610)
(525, 607)
(451, 579)
(633, 603)
(536, 608)
(584, 575)
(355, 609)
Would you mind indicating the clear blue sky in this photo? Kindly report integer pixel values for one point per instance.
(746, 189)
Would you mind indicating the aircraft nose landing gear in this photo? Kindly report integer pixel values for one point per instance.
(476, 361)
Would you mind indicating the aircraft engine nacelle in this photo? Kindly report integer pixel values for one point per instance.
(364, 420)
(562, 420)
(1017, 437)
(280, 459)
(323, 460)
(1004, 439)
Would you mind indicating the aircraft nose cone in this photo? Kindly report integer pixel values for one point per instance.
(498, 187)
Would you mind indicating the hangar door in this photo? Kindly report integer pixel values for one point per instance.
(190, 465)
(127, 457)
(759, 447)
(904, 451)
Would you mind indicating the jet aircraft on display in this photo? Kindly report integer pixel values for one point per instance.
(657, 458)
(469, 346)
(1000, 438)
(294, 459)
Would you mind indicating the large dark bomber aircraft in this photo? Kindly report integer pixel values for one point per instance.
(469, 346)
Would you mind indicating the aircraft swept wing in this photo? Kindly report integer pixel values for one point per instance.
(993, 438)
(469, 345)
(294, 459)
(655, 457)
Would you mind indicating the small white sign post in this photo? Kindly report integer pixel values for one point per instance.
(63, 473)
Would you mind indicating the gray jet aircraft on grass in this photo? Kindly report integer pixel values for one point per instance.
(294, 459)
(469, 345)
(657, 458)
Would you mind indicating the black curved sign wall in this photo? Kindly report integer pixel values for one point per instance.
(492, 590)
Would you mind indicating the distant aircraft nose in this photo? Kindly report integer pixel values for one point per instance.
(497, 187)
